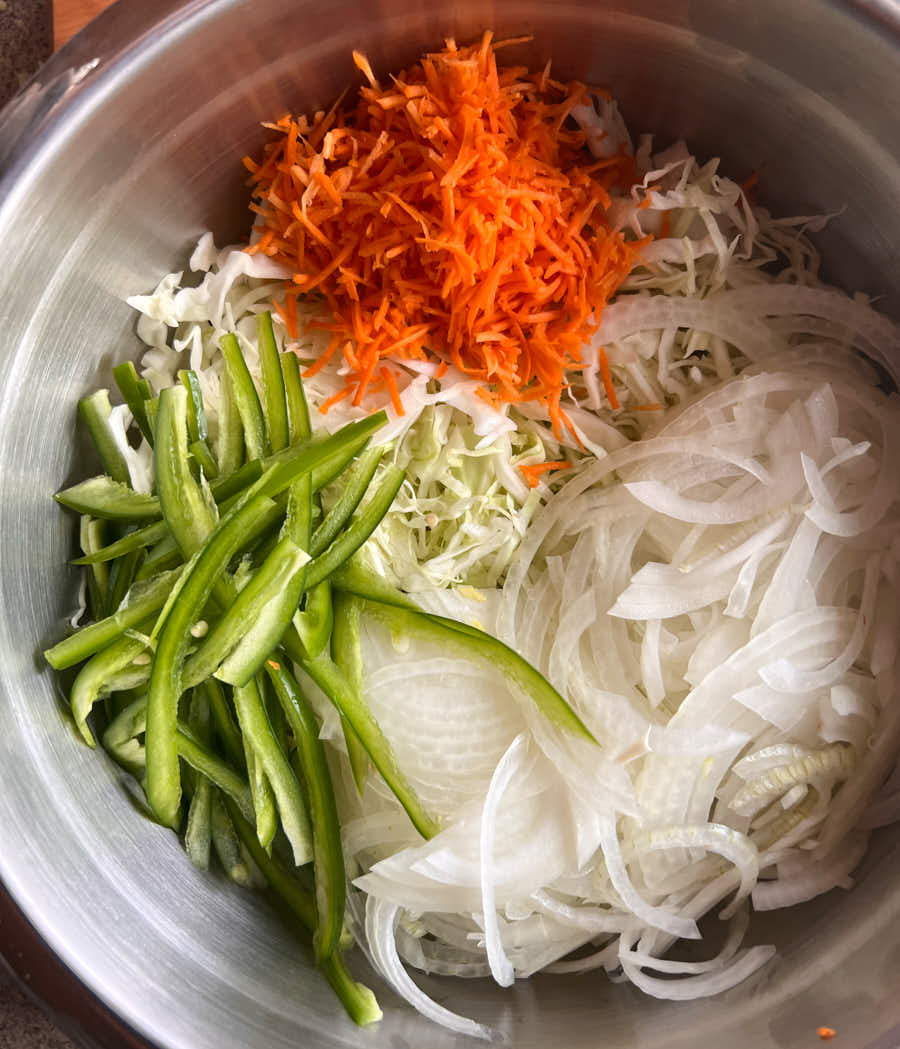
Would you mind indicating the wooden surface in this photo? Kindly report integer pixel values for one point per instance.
(70, 15)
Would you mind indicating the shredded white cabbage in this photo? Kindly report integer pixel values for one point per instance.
(713, 586)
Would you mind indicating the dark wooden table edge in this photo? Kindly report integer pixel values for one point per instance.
(49, 982)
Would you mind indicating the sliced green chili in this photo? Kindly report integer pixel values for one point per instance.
(135, 392)
(346, 651)
(356, 998)
(363, 524)
(94, 412)
(144, 599)
(91, 537)
(163, 779)
(245, 396)
(224, 722)
(361, 475)
(198, 834)
(196, 413)
(208, 764)
(348, 701)
(276, 410)
(255, 621)
(230, 438)
(185, 507)
(326, 831)
(475, 644)
(203, 457)
(257, 731)
(136, 540)
(264, 808)
(267, 603)
(122, 574)
(103, 497)
(226, 842)
(94, 678)
(298, 408)
(314, 624)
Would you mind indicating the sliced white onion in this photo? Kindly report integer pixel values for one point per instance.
(381, 923)
(501, 967)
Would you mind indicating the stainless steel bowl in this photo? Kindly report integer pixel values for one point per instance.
(117, 159)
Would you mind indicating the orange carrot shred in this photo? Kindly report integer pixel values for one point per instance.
(391, 384)
(336, 397)
(606, 376)
(826, 1033)
(533, 472)
(451, 215)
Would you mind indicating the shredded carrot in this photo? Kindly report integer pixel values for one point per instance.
(394, 393)
(341, 395)
(453, 215)
(826, 1033)
(533, 472)
(606, 376)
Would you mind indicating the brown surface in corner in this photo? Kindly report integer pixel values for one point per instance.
(70, 15)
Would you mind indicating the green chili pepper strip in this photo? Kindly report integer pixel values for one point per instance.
(314, 624)
(257, 730)
(326, 832)
(129, 723)
(135, 392)
(254, 620)
(230, 438)
(164, 556)
(328, 458)
(355, 577)
(103, 497)
(185, 506)
(276, 409)
(264, 808)
(121, 575)
(346, 651)
(298, 409)
(266, 630)
(90, 535)
(94, 677)
(144, 599)
(298, 520)
(357, 484)
(348, 701)
(472, 643)
(198, 834)
(200, 575)
(196, 414)
(275, 595)
(95, 411)
(210, 765)
(356, 998)
(363, 524)
(224, 723)
(119, 738)
(136, 540)
(203, 457)
(226, 843)
(245, 396)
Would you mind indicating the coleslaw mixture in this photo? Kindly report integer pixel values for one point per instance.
(711, 581)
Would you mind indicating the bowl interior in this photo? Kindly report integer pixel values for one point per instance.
(111, 192)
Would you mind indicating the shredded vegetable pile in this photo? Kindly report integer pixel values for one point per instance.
(451, 217)
(585, 688)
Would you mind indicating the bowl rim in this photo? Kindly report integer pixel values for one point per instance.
(70, 80)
